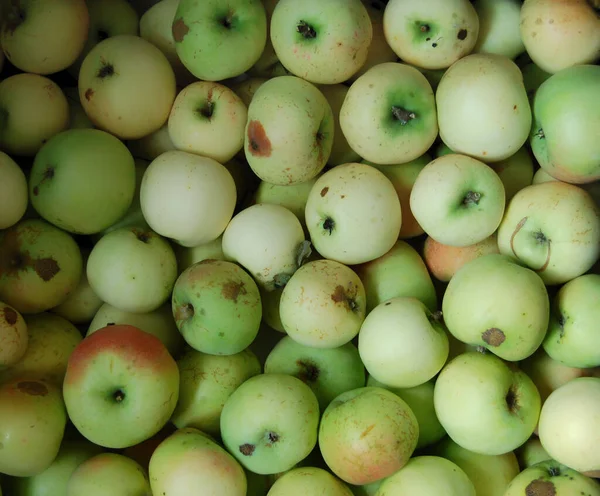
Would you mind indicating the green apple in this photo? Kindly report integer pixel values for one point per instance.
(483, 108)
(309, 480)
(290, 130)
(121, 386)
(50, 341)
(323, 304)
(2, 57)
(432, 34)
(420, 401)
(14, 337)
(344, 222)
(531, 452)
(40, 265)
(458, 200)
(533, 77)
(109, 472)
(565, 111)
(486, 405)
(217, 41)
(32, 420)
(490, 474)
(328, 371)
(189, 460)
(132, 269)
(268, 241)
(550, 477)
(205, 384)
(499, 30)
(78, 119)
(187, 197)
(268, 64)
(322, 42)
(515, 172)
(129, 100)
(495, 303)
(270, 302)
(43, 37)
(208, 119)
(159, 322)
(269, 423)
(552, 228)
(82, 180)
(13, 192)
(153, 145)
(568, 427)
(33, 108)
(366, 489)
(188, 256)
(367, 434)
(245, 88)
(560, 34)
(389, 114)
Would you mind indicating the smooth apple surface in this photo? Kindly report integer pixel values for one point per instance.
(14, 195)
(308, 480)
(499, 27)
(14, 338)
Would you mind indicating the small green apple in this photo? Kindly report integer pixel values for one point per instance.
(531, 453)
(189, 255)
(309, 480)
(14, 337)
(246, 88)
(13, 192)
(78, 119)
(153, 145)
(499, 30)
(515, 172)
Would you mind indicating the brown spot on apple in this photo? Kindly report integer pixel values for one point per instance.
(46, 268)
(462, 34)
(89, 93)
(179, 30)
(540, 487)
(10, 316)
(258, 142)
(366, 432)
(33, 388)
(341, 296)
(231, 290)
(493, 336)
(308, 371)
(324, 191)
(247, 449)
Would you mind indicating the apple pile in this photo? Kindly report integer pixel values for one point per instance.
(296, 248)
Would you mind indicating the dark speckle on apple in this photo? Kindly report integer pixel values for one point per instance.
(179, 29)
(33, 388)
(462, 34)
(540, 488)
(89, 93)
(493, 336)
(247, 449)
(324, 191)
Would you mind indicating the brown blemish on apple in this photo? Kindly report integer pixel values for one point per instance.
(10, 316)
(308, 373)
(32, 388)
(184, 312)
(89, 93)
(231, 290)
(247, 449)
(540, 488)
(179, 30)
(324, 191)
(46, 268)
(462, 34)
(259, 143)
(143, 236)
(341, 296)
(366, 432)
(493, 336)
(47, 175)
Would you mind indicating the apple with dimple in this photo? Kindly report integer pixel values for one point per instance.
(308, 480)
(13, 192)
(14, 338)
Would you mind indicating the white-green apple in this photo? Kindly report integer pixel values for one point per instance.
(217, 41)
(569, 425)
(328, 371)
(323, 304)
(309, 480)
(14, 338)
(593, 188)
(205, 384)
(43, 37)
(132, 269)
(432, 34)
(283, 430)
(40, 265)
(208, 119)
(482, 107)
(367, 434)
(189, 463)
(78, 119)
(32, 420)
(268, 241)
(188, 256)
(389, 114)
(187, 197)
(159, 322)
(322, 42)
(268, 64)
(217, 307)
(499, 27)
(344, 222)
(14, 195)
(402, 343)
(109, 472)
(509, 317)
(50, 341)
(430, 476)
(290, 129)
(270, 303)
(127, 100)
(565, 111)
(560, 34)
(121, 386)
(552, 228)
(420, 401)
(33, 108)
(458, 200)
(245, 88)
(443, 261)
(486, 405)
(153, 145)
(551, 477)
(575, 315)
(531, 452)
(490, 474)
(82, 180)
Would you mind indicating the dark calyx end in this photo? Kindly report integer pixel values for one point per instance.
(402, 115)
(106, 71)
(207, 110)
(184, 312)
(329, 225)
(308, 372)
(306, 30)
(118, 396)
(512, 400)
(471, 198)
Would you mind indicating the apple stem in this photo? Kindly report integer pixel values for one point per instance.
(306, 30)
(402, 115)
(481, 349)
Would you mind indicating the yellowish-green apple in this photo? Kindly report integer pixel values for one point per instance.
(309, 480)
(432, 34)
(486, 405)
(268, 64)
(270, 303)
(33, 108)
(78, 119)
(515, 172)
(151, 146)
(322, 42)
(14, 338)
(531, 452)
(541, 176)
(245, 88)
(499, 27)
(125, 99)
(554, 229)
(188, 256)
(389, 114)
(482, 106)
(14, 195)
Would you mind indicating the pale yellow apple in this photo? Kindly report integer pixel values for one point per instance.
(246, 88)
(13, 336)
(499, 27)
(189, 255)
(531, 452)
(151, 146)
(14, 195)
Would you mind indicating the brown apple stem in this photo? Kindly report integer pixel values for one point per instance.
(306, 30)
(402, 115)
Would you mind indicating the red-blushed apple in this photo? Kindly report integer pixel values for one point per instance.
(189, 463)
(499, 30)
(125, 99)
(32, 424)
(44, 37)
(121, 386)
(14, 337)
(13, 192)
(443, 261)
(308, 480)
(40, 265)
(367, 434)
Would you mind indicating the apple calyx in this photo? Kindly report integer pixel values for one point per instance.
(402, 115)
(143, 236)
(512, 400)
(309, 372)
(306, 30)
(340, 295)
(227, 20)
(424, 28)
(539, 134)
(107, 70)
(184, 312)
(118, 396)
(46, 176)
(540, 238)
(328, 225)
(471, 198)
